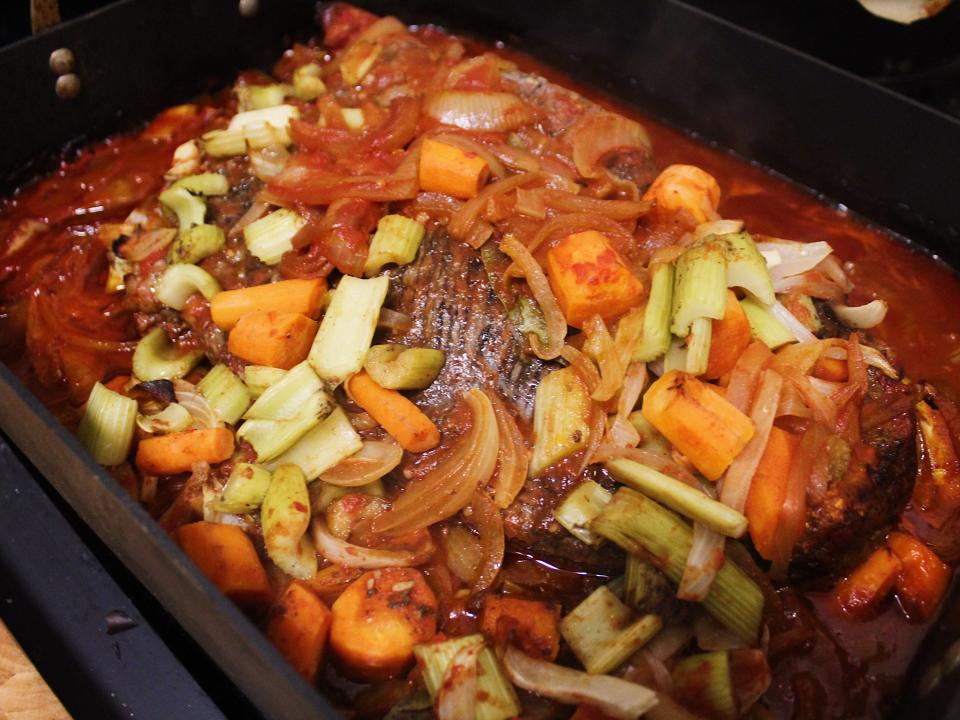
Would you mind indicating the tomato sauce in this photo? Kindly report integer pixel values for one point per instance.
(51, 298)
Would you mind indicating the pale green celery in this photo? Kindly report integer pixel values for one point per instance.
(188, 207)
(259, 377)
(307, 83)
(705, 680)
(285, 517)
(179, 282)
(700, 287)
(396, 242)
(765, 326)
(324, 494)
(561, 419)
(244, 490)
(645, 587)
(698, 346)
(746, 267)
(656, 317)
(353, 117)
(106, 429)
(579, 509)
(226, 394)
(265, 96)
(224, 143)
(270, 237)
(323, 446)
(272, 438)
(204, 184)
(399, 367)
(196, 243)
(299, 393)
(156, 358)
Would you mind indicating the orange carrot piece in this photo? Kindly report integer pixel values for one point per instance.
(299, 629)
(403, 420)
(923, 577)
(176, 452)
(830, 369)
(769, 490)
(700, 423)
(866, 587)
(298, 296)
(379, 619)
(590, 278)
(451, 170)
(271, 337)
(729, 337)
(532, 624)
(226, 555)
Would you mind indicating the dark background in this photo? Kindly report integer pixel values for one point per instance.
(920, 60)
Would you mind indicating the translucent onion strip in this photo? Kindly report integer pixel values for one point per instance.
(703, 562)
(463, 219)
(611, 369)
(543, 294)
(457, 695)
(863, 316)
(347, 554)
(371, 462)
(799, 330)
(514, 456)
(486, 517)
(196, 404)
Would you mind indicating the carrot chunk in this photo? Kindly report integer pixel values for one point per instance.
(405, 422)
(379, 619)
(226, 555)
(533, 625)
(299, 628)
(701, 424)
(451, 170)
(923, 578)
(730, 336)
(296, 296)
(177, 452)
(274, 338)
(769, 490)
(867, 586)
(590, 278)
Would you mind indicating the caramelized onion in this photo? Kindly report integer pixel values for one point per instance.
(582, 365)
(448, 487)
(462, 220)
(540, 288)
(479, 110)
(347, 554)
(486, 517)
(196, 404)
(703, 562)
(614, 209)
(599, 135)
(399, 128)
(862, 317)
(371, 462)
(565, 225)
(598, 423)
(465, 143)
(799, 330)
(514, 458)
(394, 321)
(611, 369)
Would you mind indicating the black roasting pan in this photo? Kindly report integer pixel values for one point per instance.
(885, 157)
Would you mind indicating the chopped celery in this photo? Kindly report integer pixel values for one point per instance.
(107, 426)
(272, 438)
(259, 377)
(189, 209)
(245, 488)
(307, 83)
(496, 698)
(325, 494)
(323, 446)
(226, 394)
(679, 496)
(746, 267)
(357, 61)
(396, 241)
(765, 326)
(270, 237)
(265, 96)
(156, 358)
(676, 356)
(602, 633)
(196, 243)
(645, 588)
(204, 184)
(263, 135)
(656, 317)
(705, 683)
(700, 287)
(278, 117)
(299, 393)
(401, 368)
(635, 522)
(173, 418)
(650, 437)
(353, 117)
(347, 328)
(698, 346)
(179, 282)
(561, 419)
(579, 509)
(527, 316)
(224, 143)
(285, 517)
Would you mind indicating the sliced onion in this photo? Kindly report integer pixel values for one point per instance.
(253, 213)
(712, 636)
(812, 283)
(792, 404)
(464, 218)
(486, 517)
(514, 459)
(598, 135)
(633, 383)
(398, 129)
(196, 404)
(582, 365)
(344, 553)
(739, 476)
(540, 288)
(448, 487)
(785, 258)
(611, 369)
(269, 162)
(394, 321)
(173, 418)
(703, 563)
(146, 244)
(482, 151)
(461, 551)
(598, 423)
(823, 407)
(670, 641)
(617, 698)
(746, 374)
(622, 433)
(660, 463)
(371, 462)
(516, 158)
(457, 695)
(565, 225)
(715, 227)
(479, 110)
(613, 209)
(799, 330)
(862, 317)
(871, 356)
(831, 269)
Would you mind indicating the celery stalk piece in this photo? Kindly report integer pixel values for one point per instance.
(270, 237)
(399, 367)
(265, 96)
(700, 288)
(258, 378)
(272, 438)
(245, 489)
(324, 494)
(650, 437)
(579, 509)
(746, 267)
(224, 143)
(676, 356)
(698, 346)
(156, 358)
(645, 588)
(197, 243)
(204, 184)
(179, 282)
(278, 116)
(323, 446)
(259, 136)
(602, 633)
(496, 698)
(358, 60)
(637, 523)
(705, 681)
(189, 209)
(656, 317)
(298, 394)
(106, 429)
(561, 419)
(679, 496)
(307, 83)
(765, 326)
(173, 418)
(353, 117)
(225, 393)
(347, 328)
(285, 517)
(526, 316)
(396, 241)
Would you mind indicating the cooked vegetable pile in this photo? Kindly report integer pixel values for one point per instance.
(412, 321)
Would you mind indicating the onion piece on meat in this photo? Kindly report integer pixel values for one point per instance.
(863, 316)
(543, 294)
(463, 219)
(871, 356)
(799, 330)
(617, 698)
(611, 369)
(371, 462)
(196, 404)
(582, 365)
(479, 110)
(785, 258)
(614, 209)
(514, 457)
(486, 517)
(598, 423)
(598, 135)
(394, 321)
(344, 553)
